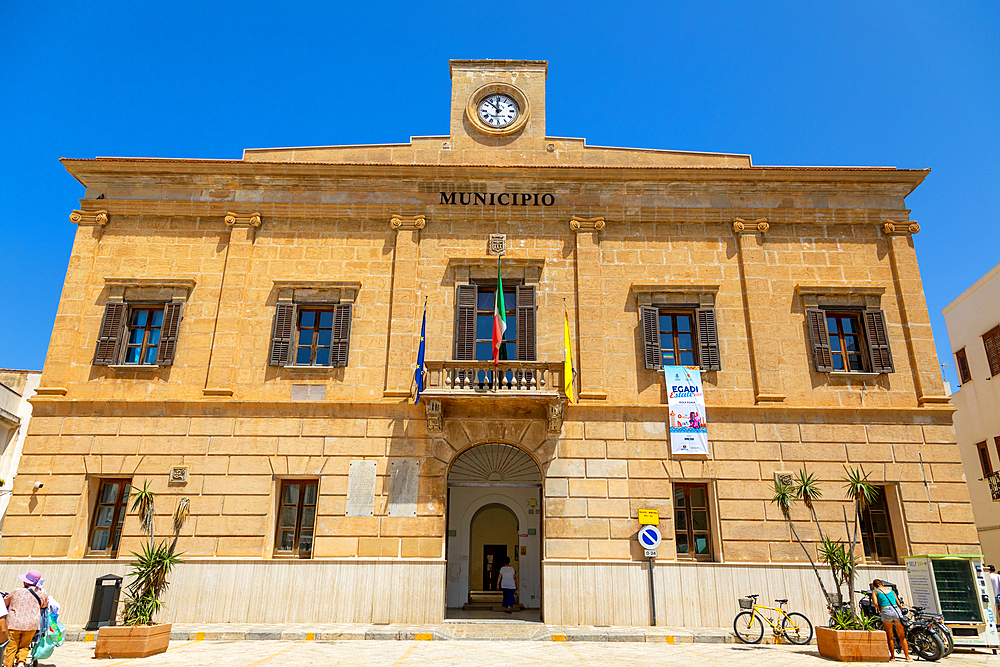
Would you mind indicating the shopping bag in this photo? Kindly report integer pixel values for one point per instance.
(43, 649)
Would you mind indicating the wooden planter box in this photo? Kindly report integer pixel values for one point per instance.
(139, 641)
(853, 645)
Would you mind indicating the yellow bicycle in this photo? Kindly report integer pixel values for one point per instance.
(749, 625)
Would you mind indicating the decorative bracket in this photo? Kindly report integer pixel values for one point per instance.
(556, 409)
(586, 224)
(758, 226)
(410, 222)
(435, 416)
(904, 227)
(234, 219)
(89, 218)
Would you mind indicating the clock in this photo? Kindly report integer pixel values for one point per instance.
(497, 110)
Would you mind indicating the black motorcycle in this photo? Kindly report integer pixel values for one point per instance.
(922, 632)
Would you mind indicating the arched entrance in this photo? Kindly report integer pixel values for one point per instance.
(494, 513)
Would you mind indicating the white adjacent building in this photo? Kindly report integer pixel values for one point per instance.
(973, 321)
(16, 387)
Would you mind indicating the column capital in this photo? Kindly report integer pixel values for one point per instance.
(242, 219)
(897, 227)
(407, 222)
(758, 226)
(578, 224)
(89, 218)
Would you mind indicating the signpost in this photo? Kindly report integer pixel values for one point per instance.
(649, 538)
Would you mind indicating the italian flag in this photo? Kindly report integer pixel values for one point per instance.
(499, 319)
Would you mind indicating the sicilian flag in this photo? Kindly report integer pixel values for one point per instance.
(568, 371)
(418, 373)
(499, 319)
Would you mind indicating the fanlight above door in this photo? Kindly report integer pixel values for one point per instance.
(494, 463)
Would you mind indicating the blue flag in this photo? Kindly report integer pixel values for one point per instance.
(418, 373)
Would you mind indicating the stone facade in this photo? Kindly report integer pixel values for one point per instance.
(373, 226)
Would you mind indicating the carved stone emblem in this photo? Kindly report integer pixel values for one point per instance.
(178, 475)
(555, 417)
(784, 478)
(435, 416)
(497, 244)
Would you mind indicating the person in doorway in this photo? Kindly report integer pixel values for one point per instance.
(24, 619)
(886, 602)
(995, 582)
(507, 582)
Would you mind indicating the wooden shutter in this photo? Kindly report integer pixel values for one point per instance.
(878, 342)
(651, 337)
(110, 334)
(168, 333)
(962, 362)
(820, 336)
(992, 342)
(708, 339)
(526, 329)
(341, 344)
(281, 334)
(465, 322)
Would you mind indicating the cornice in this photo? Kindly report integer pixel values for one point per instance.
(674, 288)
(128, 281)
(409, 213)
(859, 289)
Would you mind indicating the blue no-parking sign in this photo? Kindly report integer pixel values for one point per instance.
(649, 537)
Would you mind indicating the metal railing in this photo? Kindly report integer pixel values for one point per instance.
(994, 479)
(482, 377)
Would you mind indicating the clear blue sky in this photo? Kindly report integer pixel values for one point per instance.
(906, 84)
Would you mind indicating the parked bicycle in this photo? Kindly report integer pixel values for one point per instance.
(749, 624)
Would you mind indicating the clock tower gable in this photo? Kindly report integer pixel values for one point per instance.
(522, 81)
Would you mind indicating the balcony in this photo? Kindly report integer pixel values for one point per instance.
(527, 388)
(994, 479)
(528, 379)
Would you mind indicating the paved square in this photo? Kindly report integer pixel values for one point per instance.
(480, 653)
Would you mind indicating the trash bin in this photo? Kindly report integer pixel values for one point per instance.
(104, 610)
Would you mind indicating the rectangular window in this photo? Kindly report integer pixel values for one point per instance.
(311, 335)
(109, 517)
(143, 340)
(984, 458)
(876, 533)
(315, 335)
(138, 334)
(677, 339)
(296, 518)
(991, 340)
(849, 341)
(474, 322)
(686, 337)
(962, 365)
(692, 533)
(996, 443)
(845, 341)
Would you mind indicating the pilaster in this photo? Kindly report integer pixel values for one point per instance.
(765, 353)
(589, 307)
(913, 312)
(403, 322)
(224, 357)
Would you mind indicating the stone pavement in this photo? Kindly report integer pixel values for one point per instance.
(478, 653)
(449, 630)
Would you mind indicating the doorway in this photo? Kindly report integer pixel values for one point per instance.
(494, 514)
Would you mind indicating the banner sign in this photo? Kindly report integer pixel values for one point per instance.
(688, 430)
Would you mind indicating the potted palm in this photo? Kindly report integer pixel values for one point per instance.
(139, 636)
(850, 636)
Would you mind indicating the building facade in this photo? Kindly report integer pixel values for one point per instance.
(244, 333)
(16, 390)
(973, 321)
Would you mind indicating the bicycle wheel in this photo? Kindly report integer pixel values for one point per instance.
(926, 644)
(748, 627)
(797, 628)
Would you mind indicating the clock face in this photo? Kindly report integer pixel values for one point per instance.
(498, 110)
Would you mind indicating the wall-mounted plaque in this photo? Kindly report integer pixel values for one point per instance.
(361, 488)
(403, 477)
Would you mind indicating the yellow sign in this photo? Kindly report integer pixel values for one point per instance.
(649, 517)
